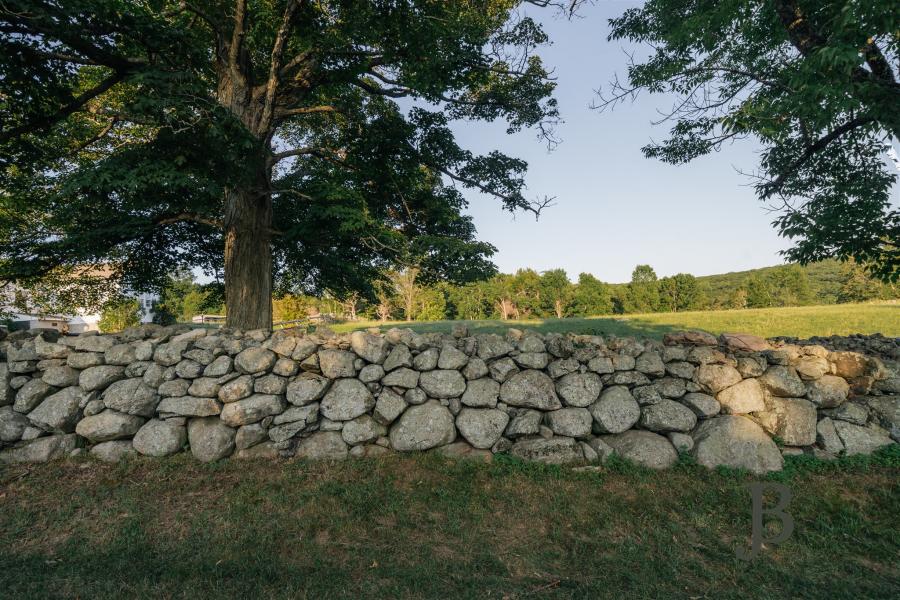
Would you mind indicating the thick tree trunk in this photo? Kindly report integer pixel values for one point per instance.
(248, 259)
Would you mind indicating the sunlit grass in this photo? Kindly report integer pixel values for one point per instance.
(802, 321)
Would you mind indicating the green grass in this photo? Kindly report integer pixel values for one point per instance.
(426, 527)
(803, 321)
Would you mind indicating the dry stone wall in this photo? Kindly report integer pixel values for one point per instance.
(736, 400)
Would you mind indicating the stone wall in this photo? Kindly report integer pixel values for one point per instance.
(734, 401)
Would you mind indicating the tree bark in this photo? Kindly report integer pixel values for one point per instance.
(248, 259)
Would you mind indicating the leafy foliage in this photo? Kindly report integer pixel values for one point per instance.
(814, 81)
(141, 135)
(119, 314)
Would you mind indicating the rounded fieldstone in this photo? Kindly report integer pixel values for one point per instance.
(210, 439)
(373, 348)
(307, 388)
(736, 442)
(579, 389)
(715, 378)
(61, 376)
(481, 427)
(530, 389)
(58, 412)
(160, 438)
(131, 396)
(323, 445)
(572, 422)
(643, 448)
(255, 360)
(362, 429)
(442, 383)
(615, 411)
(423, 427)
(481, 393)
(346, 400)
(100, 377)
(554, 451)
(108, 425)
(667, 415)
(113, 451)
(252, 409)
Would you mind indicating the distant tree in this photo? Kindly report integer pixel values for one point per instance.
(119, 314)
(814, 82)
(526, 293)
(643, 291)
(738, 298)
(679, 292)
(431, 304)
(591, 297)
(407, 290)
(293, 307)
(557, 292)
(759, 292)
(858, 285)
(790, 286)
(502, 291)
(385, 301)
(471, 301)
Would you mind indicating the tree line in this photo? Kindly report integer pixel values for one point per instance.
(529, 294)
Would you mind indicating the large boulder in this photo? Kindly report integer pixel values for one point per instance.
(443, 383)
(61, 376)
(492, 346)
(744, 397)
(887, 412)
(210, 439)
(160, 438)
(58, 412)
(481, 427)
(99, 377)
(388, 407)
(744, 342)
(643, 448)
(131, 396)
(346, 400)
(736, 442)
(236, 389)
(31, 394)
(362, 429)
(400, 356)
(335, 364)
(615, 411)
(370, 347)
(689, 338)
(793, 420)
(252, 409)
(423, 427)
(403, 377)
(715, 378)
(307, 388)
(12, 424)
(553, 451)
(703, 405)
(782, 381)
(481, 393)
(861, 440)
(523, 423)
(667, 415)
(255, 360)
(579, 389)
(452, 358)
(113, 451)
(323, 445)
(570, 422)
(650, 363)
(829, 391)
(40, 450)
(108, 425)
(530, 389)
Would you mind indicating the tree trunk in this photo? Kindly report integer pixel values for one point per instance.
(248, 259)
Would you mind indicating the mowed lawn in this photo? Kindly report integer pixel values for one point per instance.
(802, 321)
(422, 526)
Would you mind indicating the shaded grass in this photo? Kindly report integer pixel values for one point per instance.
(426, 527)
(801, 321)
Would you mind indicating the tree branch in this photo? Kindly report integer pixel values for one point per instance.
(66, 110)
(275, 64)
(237, 39)
(190, 217)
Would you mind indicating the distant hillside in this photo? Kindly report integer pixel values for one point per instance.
(825, 278)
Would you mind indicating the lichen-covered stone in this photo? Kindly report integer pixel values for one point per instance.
(251, 410)
(667, 415)
(346, 400)
(828, 391)
(579, 389)
(58, 412)
(108, 425)
(615, 411)
(160, 438)
(442, 383)
(530, 389)
(481, 427)
(736, 442)
(131, 396)
(744, 397)
(423, 427)
(554, 451)
(210, 439)
(571, 421)
(481, 393)
(643, 448)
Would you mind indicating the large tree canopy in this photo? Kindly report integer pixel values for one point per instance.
(815, 81)
(258, 139)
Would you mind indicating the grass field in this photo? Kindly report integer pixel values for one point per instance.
(426, 527)
(804, 321)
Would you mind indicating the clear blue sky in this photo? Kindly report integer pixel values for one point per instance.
(616, 209)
